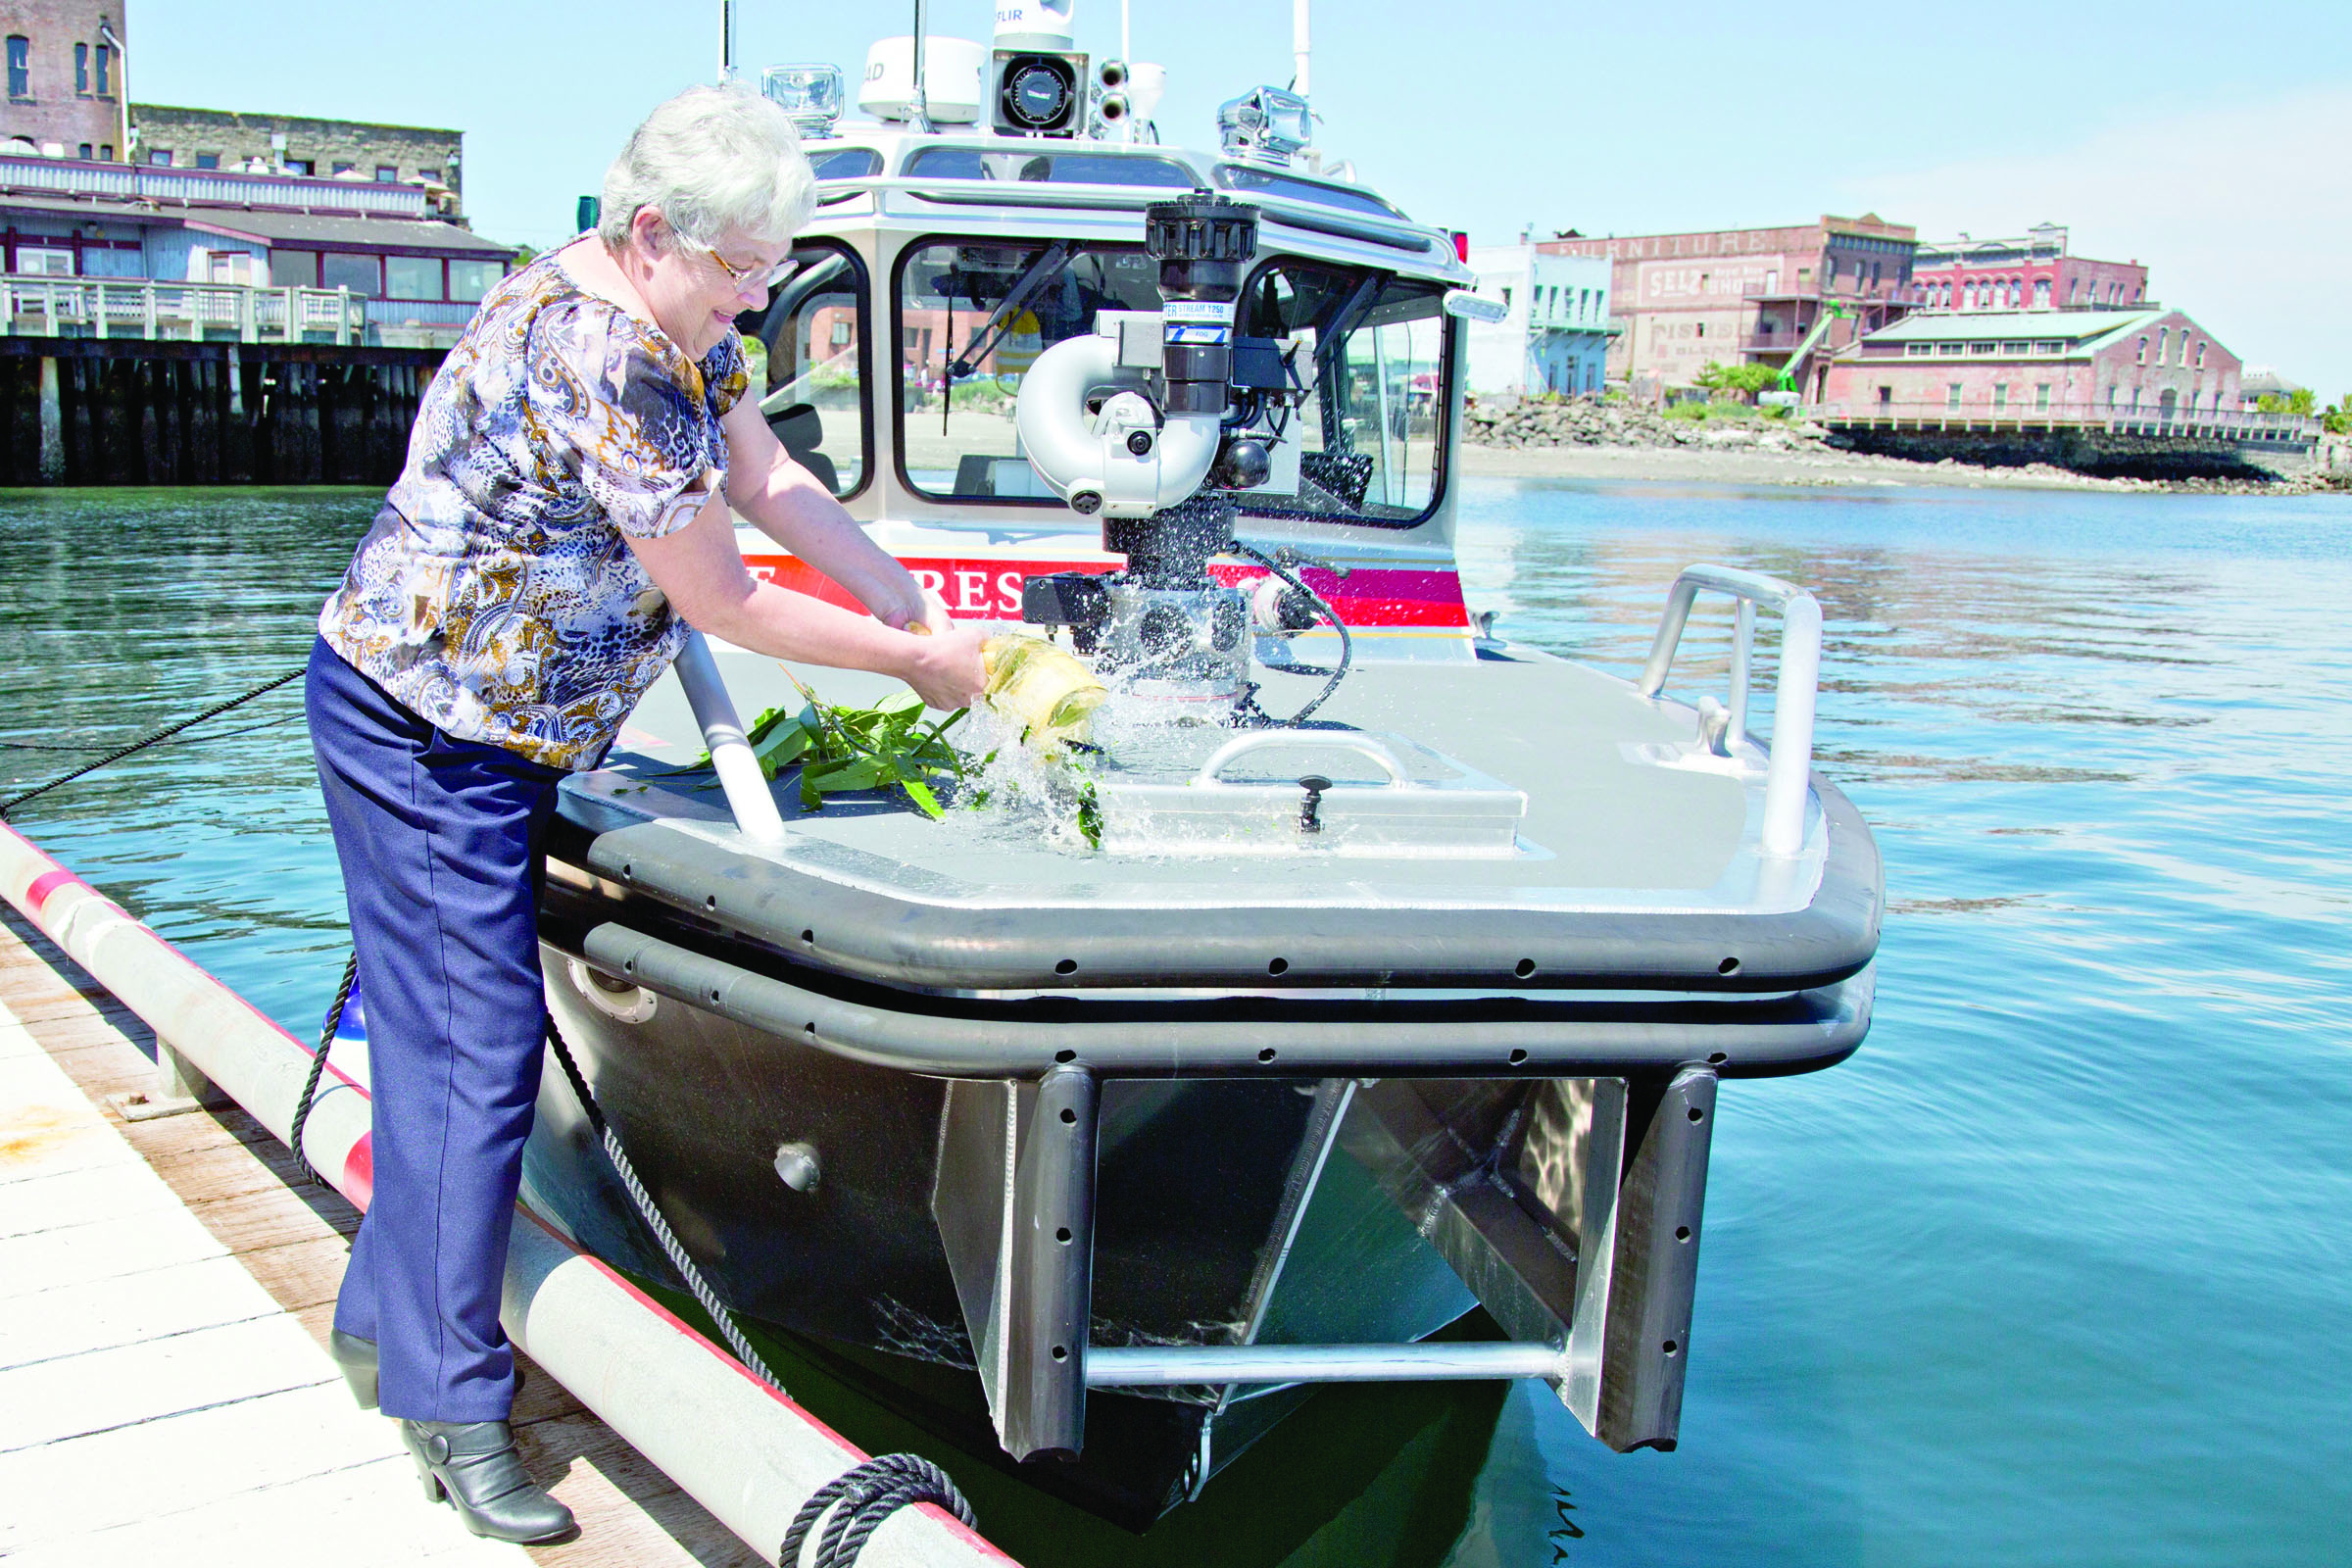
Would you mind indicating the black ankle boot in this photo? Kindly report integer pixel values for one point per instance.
(357, 1358)
(474, 1465)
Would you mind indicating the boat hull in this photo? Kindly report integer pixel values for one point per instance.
(1198, 1184)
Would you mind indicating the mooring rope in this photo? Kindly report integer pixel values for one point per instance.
(326, 1041)
(869, 1495)
(164, 734)
(728, 1328)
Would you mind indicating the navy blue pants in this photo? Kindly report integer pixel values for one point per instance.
(440, 845)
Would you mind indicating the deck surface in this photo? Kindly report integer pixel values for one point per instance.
(165, 1291)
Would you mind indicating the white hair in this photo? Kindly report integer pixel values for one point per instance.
(711, 160)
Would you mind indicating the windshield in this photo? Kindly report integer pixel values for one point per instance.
(808, 352)
(1350, 198)
(1058, 168)
(1368, 349)
(956, 434)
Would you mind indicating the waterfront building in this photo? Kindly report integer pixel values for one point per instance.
(2146, 392)
(400, 274)
(351, 231)
(65, 69)
(1555, 337)
(2033, 271)
(170, 138)
(1787, 297)
(2061, 366)
(2262, 381)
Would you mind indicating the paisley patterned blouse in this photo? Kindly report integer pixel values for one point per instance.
(495, 595)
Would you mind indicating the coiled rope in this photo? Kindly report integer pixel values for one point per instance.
(867, 1496)
(164, 734)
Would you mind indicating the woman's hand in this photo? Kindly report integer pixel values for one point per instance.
(945, 667)
(909, 605)
(698, 567)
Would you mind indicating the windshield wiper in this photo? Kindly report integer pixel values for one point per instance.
(1047, 265)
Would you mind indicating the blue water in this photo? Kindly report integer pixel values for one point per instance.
(2054, 1271)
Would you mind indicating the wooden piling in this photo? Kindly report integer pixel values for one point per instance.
(89, 410)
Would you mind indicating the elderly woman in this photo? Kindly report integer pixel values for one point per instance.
(567, 512)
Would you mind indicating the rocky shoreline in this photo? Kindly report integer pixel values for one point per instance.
(1584, 438)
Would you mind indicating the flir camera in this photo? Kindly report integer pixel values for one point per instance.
(1032, 93)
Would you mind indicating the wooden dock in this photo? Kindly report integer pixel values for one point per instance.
(165, 1291)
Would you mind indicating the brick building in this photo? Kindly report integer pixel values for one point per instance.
(2049, 366)
(170, 138)
(63, 65)
(2033, 271)
(1784, 297)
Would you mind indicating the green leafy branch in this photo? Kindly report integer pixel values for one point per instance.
(840, 749)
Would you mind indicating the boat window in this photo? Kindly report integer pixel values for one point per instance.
(811, 378)
(844, 163)
(956, 434)
(1371, 350)
(1057, 169)
(1347, 198)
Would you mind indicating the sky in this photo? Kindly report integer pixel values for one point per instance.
(2213, 143)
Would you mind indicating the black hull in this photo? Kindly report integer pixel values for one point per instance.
(1196, 1182)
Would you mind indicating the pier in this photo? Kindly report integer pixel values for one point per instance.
(638, 1387)
(166, 1289)
(201, 409)
(2161, 442)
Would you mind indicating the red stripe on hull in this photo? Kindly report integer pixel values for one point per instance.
(990, 590)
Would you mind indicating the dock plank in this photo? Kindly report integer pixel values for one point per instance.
(250, 1292)
(101, 1314)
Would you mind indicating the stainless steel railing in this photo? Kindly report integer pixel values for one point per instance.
(1788, 768)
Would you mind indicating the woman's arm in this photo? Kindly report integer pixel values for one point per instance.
(774, 494)
(703, 577)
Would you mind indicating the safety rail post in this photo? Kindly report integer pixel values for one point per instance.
(1789, 765)
(731, 758)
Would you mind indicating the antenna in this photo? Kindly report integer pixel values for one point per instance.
(919, 102)
(726, 41)
(1299, 47)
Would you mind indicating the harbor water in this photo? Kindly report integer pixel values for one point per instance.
(2054, 1271)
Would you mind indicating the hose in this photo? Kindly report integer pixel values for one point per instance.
(1346, 643)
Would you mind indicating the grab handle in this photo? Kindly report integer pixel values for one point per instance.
(731, 757)
(1791, 763)
(1265, 740)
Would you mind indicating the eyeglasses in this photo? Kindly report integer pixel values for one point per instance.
(744, 277)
